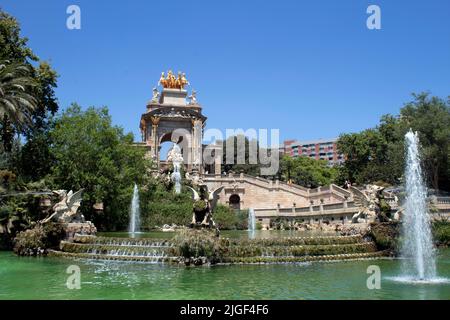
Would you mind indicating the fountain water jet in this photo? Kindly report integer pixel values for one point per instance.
(175, 156)
(251, 223)
(419, 262)
(135, 215)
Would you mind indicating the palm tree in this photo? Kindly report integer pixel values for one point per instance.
(17, 102)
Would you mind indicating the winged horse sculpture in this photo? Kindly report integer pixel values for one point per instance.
(204, 215)
(66, 210)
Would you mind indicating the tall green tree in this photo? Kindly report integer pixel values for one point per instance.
(306, 172)
(14, 48)
(17, 102)
(242, 149)
(430, 117)
(378, 154)
(93, 154)
(365, 155)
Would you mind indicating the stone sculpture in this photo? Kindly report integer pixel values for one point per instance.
(176, 158)
(155, 96)
(193, 97)
(66, 210)
(204, 205)
(371, 203)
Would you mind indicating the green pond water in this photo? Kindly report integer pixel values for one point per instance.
(45, 278)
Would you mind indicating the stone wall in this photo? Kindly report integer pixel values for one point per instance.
(85, 228)
(259, 193)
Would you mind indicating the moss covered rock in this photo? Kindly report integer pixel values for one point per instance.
(198, 247)
(385, 235)
(36, 241)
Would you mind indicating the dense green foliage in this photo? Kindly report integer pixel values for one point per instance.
(17, 102)
(37, 240)
(160, 205)
(378, 154)
(441, 233)
(386, 235)
(193, 245)
(244, 159)
(92, 154)
(306, 172)
(17, 213)
(227, 219)
(31, 116)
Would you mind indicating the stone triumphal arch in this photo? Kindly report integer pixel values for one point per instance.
(172, 116)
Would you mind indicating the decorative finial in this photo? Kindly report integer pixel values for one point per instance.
(193, 97)
(155, 96)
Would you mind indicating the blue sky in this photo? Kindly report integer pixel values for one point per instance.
(310, 68)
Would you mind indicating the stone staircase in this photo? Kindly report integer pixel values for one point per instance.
(292, 250)
(126, 249)
(247, 251)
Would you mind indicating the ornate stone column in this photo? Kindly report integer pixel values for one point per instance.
(218, 161)
(154, 138)
(143, 128)
(196, 146)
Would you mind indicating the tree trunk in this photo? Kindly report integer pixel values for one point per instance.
(435, 179)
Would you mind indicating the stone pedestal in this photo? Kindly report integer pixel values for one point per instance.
(175, 97)
(83, 228)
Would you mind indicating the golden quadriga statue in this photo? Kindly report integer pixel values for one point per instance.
(172, 81)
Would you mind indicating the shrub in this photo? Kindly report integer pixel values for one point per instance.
(54, 233)
(7, 178)
(30, 242)
(36, 241)
(161, 206)
(441, 233)
(228, 219)
(385, 235)
(158, 214)
(199, 247)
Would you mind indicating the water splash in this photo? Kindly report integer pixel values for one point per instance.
(251, 223)
(419, 263)
(135, 215)
(176, 157)
(176, 177)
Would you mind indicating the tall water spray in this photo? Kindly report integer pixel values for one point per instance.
(135, 215)
(417, 250)
(176, 177)
(175, 156)
(251, 223)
